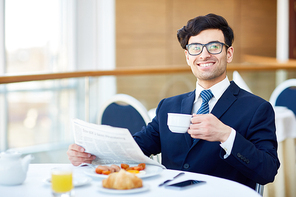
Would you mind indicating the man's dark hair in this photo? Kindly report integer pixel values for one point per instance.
(200, 23)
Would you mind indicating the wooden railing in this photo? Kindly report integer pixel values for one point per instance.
(252, 64)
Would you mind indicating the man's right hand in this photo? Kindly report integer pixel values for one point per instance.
(77, 155)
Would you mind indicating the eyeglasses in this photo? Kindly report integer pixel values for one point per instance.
(212, 47)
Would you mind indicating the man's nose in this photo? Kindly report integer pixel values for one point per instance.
(204, 53)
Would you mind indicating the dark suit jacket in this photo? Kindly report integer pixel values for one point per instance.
(254, 154)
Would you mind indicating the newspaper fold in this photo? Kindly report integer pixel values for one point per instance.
(110, 145)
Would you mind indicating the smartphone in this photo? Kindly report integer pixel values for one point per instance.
(185, 184)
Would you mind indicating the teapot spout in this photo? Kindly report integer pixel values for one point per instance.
(26, 161)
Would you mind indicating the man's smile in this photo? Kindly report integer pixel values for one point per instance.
(205, 64)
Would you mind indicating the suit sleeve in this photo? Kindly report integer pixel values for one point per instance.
(148, 138)
(254, 153)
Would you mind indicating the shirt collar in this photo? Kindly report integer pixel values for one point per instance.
(217, 89)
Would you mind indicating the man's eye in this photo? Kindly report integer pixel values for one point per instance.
(196, 48)
(214, 46)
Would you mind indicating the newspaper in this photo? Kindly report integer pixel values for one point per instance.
(110, 145)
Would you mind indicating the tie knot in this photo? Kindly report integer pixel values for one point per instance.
(206, 95)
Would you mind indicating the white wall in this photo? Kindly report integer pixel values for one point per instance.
(282, 37)
(3, 117)
(96, 49)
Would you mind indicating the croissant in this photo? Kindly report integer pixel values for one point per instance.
(122, 180)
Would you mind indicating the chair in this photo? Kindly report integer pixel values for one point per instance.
(124, 111)
(236, 77)
(259, 189)
(285, 95)
(152, 113)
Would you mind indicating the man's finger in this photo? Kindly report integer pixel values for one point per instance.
(76, 148)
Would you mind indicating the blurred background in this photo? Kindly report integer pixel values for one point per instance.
(53, 36)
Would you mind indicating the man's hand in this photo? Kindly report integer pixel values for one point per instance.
(208, 127)
(77, 155)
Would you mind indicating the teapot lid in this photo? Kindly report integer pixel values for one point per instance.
(10, 154)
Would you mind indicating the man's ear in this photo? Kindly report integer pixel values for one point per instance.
(187, 57)
(230, 52)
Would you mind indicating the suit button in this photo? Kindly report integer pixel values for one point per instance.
(239, 155)
(186, 166)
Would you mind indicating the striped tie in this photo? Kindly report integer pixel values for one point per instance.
(206, 95)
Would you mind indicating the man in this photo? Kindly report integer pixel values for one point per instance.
(236, 140)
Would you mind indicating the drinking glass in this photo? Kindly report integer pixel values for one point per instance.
(61, 182)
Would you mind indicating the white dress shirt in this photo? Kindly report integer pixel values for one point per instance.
(217, 90)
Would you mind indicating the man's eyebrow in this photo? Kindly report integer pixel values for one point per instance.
(206, 43)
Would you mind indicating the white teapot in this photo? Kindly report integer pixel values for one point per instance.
(13, 168)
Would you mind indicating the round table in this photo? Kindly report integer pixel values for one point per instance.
(34, 185)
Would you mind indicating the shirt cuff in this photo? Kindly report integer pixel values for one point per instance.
(228, 144)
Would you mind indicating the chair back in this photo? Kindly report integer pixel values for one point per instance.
(124, 111)
(285, 95)
(236, 77)
(259, 189)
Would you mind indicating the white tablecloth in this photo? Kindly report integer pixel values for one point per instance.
(34, 185)
(285, 181)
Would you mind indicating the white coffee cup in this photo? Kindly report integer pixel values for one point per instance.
(179, 123)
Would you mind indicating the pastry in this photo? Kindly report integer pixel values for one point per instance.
(122, 180)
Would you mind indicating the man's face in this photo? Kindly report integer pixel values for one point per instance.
(209, 69)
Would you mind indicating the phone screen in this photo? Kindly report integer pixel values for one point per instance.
(185, 184)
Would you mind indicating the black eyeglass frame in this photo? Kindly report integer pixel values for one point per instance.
(205, 45)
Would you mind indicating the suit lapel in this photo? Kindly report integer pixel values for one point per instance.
(226, 100)
(187, 103)
(186, 108)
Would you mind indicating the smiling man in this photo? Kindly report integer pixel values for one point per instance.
(232, 134)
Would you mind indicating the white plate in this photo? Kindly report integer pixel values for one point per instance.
(77, 181)
(149, 171)
(126, 191)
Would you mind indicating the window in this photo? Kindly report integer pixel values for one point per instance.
(53, 36)
(35, 36)
(37, 40)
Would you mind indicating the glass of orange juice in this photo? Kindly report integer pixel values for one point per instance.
(61, 182)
